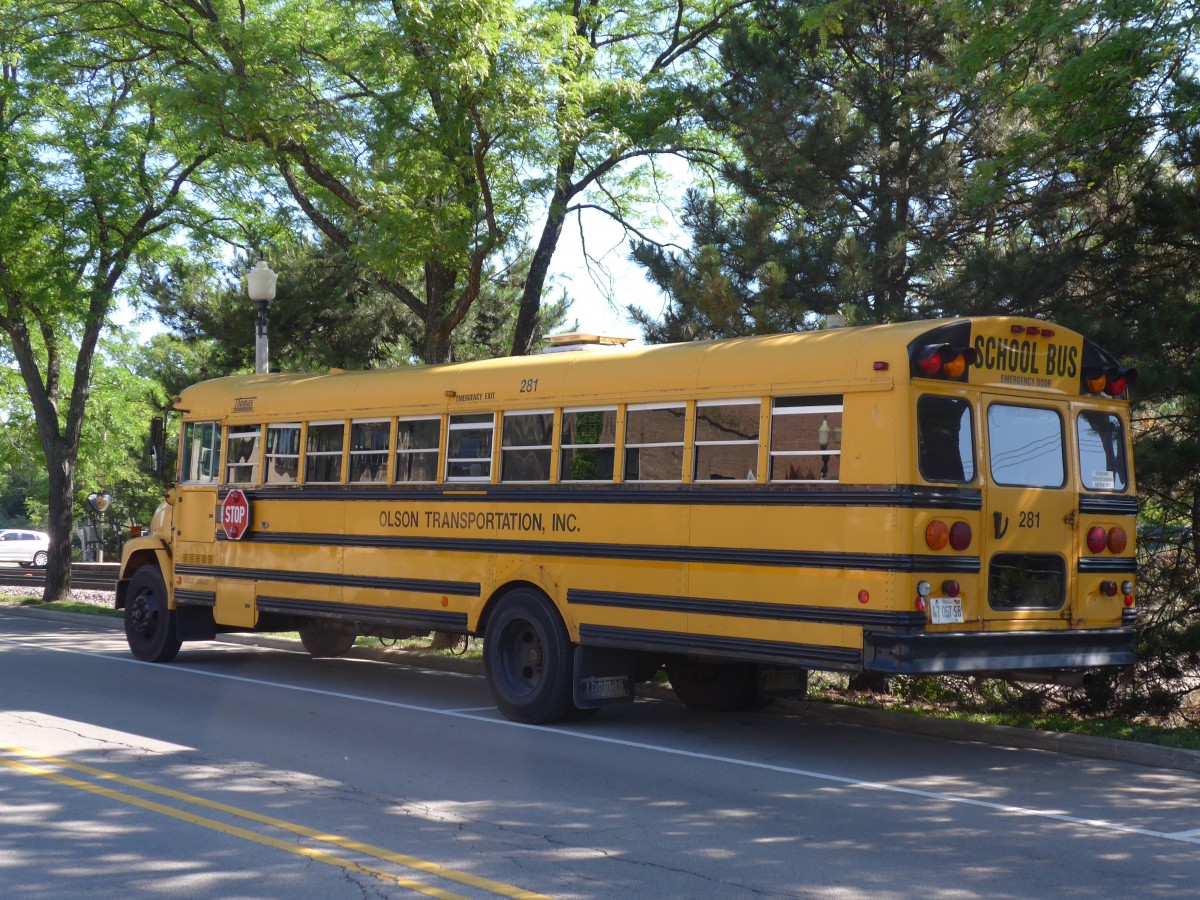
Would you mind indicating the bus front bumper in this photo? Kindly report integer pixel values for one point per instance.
(975, 652)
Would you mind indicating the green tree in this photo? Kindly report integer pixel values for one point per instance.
(327, 313)
(428, 141)
(90, 177)
(891, 154)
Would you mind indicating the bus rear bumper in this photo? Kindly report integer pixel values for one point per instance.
(973, 652)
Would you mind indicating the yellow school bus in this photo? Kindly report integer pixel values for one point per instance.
(928, 497)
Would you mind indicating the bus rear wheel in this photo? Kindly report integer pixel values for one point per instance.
(529, 659)
(714, 687)
(325, 642)
(149, 623)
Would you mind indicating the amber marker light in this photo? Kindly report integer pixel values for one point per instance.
(937, 535)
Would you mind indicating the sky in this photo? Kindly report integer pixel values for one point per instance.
(625, 283)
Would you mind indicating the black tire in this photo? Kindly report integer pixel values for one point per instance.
(149, 624)
(529, 659)
(714, 687)
(40, 559)
(324, 642)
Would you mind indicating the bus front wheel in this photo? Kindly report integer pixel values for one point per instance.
(149, 623)
(324, 642)
(529, 659)
(713, 687)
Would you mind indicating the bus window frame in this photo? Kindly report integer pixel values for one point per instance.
(1063, 446)
(681, 443)
(341, 454)
(697, 443)
(386, 451)
(214, 463)
(436, 449)
(490, 459)
(1122, 446)
(974, 433)
(268, 456)
(822, 409)
(564, 448)
(256, 464)
(549, 448)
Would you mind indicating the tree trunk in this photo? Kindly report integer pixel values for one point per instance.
(1196, 524)
(61, 467)
(539, 267)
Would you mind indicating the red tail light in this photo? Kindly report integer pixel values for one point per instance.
(930, 362)
(1118, 540)
(960, 535)
(1097, 539)
(951, 588)
(1108, 588)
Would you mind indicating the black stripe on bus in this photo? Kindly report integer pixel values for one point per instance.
(399, 617)
(1128, 618)
(1108, 505)
(414, 585)
(1110, 564)
(804, 559)
(903, 496)
(721, 647)
(195, 598)
(749, 610)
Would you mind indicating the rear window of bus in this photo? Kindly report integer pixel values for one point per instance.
(1025, 446)
(1102, 464)
(945, 439)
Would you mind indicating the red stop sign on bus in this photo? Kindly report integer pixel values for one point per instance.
(235, 515)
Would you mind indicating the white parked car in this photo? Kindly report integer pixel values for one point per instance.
(29, 548)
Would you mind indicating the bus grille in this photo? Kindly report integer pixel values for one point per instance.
(1026, 581)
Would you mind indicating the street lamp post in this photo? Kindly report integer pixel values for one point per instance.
(100, 503)
(260, 285)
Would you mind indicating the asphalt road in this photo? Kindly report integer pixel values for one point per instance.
(239, 771)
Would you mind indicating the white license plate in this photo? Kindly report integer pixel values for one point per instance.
(945, 610)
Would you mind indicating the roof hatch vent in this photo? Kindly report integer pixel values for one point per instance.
(577, 340)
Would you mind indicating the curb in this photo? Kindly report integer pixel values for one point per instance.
(914, 723)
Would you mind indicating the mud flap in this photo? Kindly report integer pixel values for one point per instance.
(194, 623)
(602, 676)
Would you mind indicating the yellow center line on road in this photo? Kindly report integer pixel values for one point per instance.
(318, 855)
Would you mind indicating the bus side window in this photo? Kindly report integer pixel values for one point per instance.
(945, 439)
(525, 443)
(323, 453)
(469, 450)
(654, 442)
(242, 455)
(417, 450)
(589, 440)
(283, 453)
(726, 447)
(369, 440)
(806, 438)
(201, 453)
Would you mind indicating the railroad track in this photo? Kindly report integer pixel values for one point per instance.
(84, 576)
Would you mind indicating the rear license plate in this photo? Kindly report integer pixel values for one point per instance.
(945, 610)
